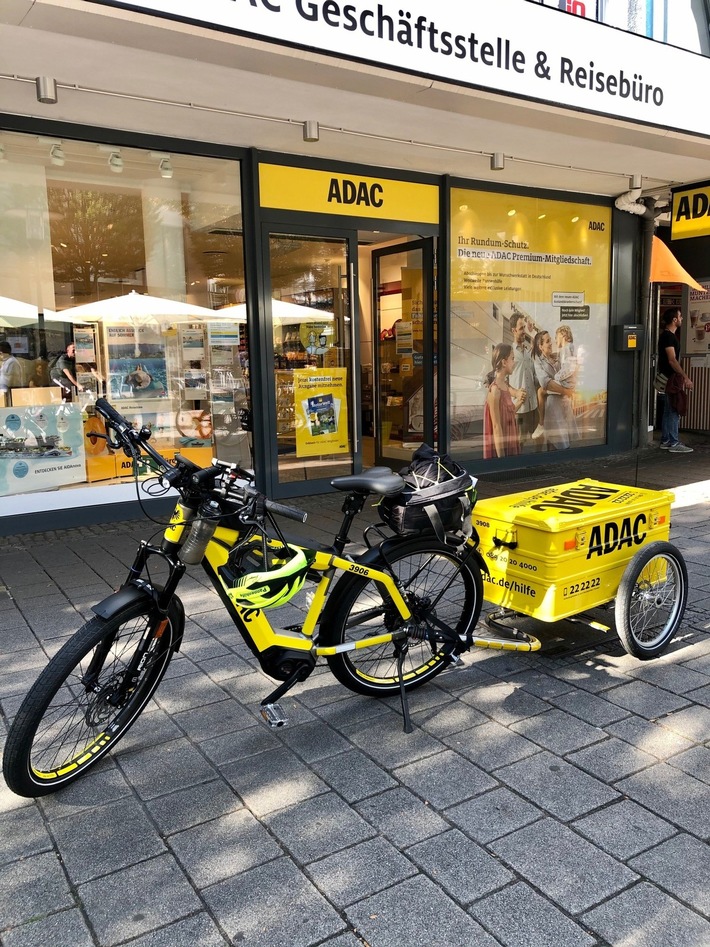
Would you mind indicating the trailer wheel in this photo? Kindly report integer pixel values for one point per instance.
(651, 599)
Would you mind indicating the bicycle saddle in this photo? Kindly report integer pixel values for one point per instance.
(375, 480)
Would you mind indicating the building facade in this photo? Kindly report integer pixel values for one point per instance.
(302, 236)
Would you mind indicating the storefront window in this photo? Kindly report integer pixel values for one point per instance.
(529, 323)
(122, 275)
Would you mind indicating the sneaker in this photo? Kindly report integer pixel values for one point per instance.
(680, 449)
(665, 446)
(538, 432)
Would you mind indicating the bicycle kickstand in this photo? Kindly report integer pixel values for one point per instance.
(401, 646)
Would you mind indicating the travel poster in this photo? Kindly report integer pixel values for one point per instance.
(321, 413)
(41, 447)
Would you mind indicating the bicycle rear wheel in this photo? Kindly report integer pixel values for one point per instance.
(82, 703)
(444, 596)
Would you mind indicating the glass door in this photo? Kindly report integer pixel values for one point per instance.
(312, 324)
(404, 350)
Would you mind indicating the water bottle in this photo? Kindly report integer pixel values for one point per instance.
(201, 531)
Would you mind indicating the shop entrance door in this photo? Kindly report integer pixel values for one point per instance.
(405, 347)
(310, 338)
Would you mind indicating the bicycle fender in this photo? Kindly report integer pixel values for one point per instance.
(119, 601)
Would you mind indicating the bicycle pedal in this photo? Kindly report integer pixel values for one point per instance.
(274, 715)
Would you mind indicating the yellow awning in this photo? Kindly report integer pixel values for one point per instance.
(666, 269)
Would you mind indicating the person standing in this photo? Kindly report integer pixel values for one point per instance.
(500, 428)
(668, 365)
(10, 369)
(63, 373)
(523, 378)
(554, 397)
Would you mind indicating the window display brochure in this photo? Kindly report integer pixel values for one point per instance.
(696, 328)
(136, 364)
(223, 333)
(321, 413)
(85, 345)
(193, 345)
(41, 448)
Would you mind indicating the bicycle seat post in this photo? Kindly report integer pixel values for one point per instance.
(352, 505)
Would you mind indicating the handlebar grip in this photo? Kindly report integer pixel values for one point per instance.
(291, 512)
(111, 415)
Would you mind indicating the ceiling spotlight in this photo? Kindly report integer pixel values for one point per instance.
(57, 156)
(497, 161)
(46, 90)
(311, 131)
(115, 162)
(166, 168)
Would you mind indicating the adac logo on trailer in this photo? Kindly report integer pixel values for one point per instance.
(691, 212)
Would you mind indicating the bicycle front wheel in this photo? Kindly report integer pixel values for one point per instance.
(87, 697)
(444, 596)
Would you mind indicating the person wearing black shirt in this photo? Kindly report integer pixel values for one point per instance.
(668, 364)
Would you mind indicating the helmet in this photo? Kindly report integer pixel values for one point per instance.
(273, 587)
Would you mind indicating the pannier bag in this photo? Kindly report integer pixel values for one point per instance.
(439, 496)
(660, 382)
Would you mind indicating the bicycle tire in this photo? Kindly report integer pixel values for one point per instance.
(437, 584)
(651, 600)
(62, 729)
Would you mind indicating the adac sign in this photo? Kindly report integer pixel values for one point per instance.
(691, 212)
(349, 195)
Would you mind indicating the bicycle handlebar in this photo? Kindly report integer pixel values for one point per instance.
(203, 479)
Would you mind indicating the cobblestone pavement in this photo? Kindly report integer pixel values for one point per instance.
(558, 799)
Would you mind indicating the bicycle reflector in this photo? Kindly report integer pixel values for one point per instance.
(273, 587)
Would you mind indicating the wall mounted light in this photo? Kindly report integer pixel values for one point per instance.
(57, 156)
(497, 161)
(46, 90)
(635, 182)
(311, 131)
(115, 162)
(166, 168)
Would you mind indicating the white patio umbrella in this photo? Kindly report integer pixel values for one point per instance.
(283, 313)
(14, 313)
(135, 306)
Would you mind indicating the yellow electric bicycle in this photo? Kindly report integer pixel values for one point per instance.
(397, 615)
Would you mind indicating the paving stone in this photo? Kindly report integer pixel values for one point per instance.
(347, 713)
(493, 814)
(387, 919)
(272, 781)
(384, 740)
(681, 866)
(22, 834)
(353, 775)
(505, 703)
(240, 744)
(624, 829)
(701, 696)
(402, 817)
(558, 731)
(444, 779)
(673, 795)
(649, 737)
(32, 888)
(695, 761)
(213, 720)
(519, 917)
(693, 723)
(573, 873)
(556, 786)
(105, 839)
(101, 785)
(289, 910)
(313, 741)
(611, 760)
(355, 873)
(138, 899)
(491, 746)
(646, 700)
(541, 684)
(187, 807)
(65, 927)
(646, 917)
(154, 771)
(449, 718)
(318, 827)
(188, 692)
(153, 727)
(671, 677)
(591, 708)
(215, 850)
(197, 931)
(462, 868)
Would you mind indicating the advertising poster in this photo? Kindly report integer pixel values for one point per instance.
(136, 362)
(529, 279)
(85, 345)
(321, 413)
(41, 448)
(696, 328)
